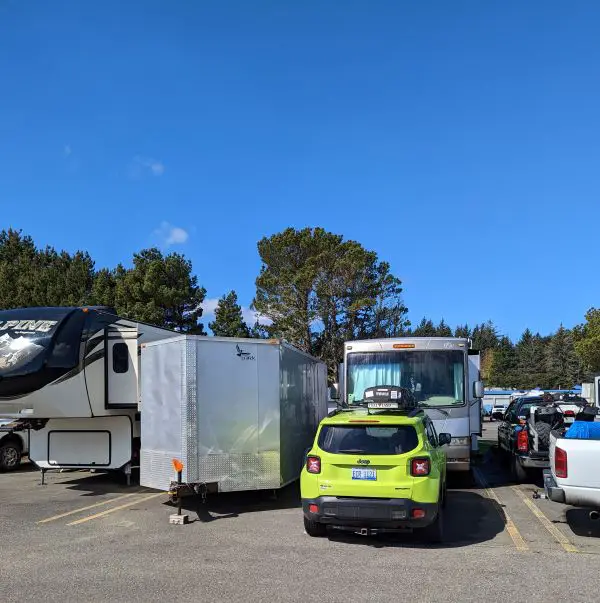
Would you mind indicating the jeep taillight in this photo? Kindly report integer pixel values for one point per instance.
(522, 441)
(313, 464)
(420, 467)
(560, 462)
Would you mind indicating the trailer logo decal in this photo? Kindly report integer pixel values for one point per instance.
(244, 355)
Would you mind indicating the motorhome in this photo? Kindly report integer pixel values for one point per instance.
(443, 374)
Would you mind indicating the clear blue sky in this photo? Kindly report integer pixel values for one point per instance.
(460, 140)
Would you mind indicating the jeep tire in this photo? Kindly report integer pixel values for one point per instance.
(314, 528)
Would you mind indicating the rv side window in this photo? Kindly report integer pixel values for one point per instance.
(120, 355)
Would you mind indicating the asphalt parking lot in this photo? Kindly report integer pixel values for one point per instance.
(86, 537)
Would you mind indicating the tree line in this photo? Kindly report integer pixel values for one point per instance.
(316, 289)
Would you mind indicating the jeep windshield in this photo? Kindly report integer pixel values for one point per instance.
(362, 439)
(37, 345)
(436, 377)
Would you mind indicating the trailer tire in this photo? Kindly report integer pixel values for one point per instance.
(314, 528)
(519, 473)
(10, 454)
(543, 431)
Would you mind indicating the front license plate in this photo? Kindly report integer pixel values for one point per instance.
(366, 474)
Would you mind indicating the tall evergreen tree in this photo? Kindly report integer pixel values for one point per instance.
(587, 340)
(425, 328)
(443, 330)
(531, 366)
(462, 331)
(160, 290)
(563, 366)
(229, 320)
(503, 366)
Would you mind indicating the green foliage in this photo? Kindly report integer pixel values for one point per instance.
(158, 289)
(319, 291)
(587, 340)
(425, 328)
(229, 321)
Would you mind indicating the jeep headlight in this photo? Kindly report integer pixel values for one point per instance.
(460, 441)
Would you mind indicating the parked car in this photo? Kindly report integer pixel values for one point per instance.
(381, 468)
(497, 410)
(14, 443)
(524, 433)
(573, 477)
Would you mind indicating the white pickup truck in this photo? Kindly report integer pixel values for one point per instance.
(14, 443)
(574, 476)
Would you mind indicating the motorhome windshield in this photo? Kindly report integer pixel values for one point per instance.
(435, 377)
(37, 345)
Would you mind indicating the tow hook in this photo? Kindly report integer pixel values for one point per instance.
(367, 532)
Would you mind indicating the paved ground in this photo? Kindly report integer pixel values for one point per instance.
(84, 537)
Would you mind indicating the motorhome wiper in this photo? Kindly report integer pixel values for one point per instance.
(440, 410)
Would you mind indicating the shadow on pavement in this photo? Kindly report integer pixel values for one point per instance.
(469, 519)
(581, 524)
(228, 505)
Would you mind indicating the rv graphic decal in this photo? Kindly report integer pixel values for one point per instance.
(243, 355)
(28, 326)
(16, 351)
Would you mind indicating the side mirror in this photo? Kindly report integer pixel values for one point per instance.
(498, 416)
(444, 438)
(478, 389)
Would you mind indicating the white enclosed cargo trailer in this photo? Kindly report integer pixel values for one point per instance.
(239, 413)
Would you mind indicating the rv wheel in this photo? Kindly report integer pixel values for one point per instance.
(10, 455)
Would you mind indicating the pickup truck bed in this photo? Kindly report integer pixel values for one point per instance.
(574, 474)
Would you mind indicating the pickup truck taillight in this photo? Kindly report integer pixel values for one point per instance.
(560, 462)
(522, 441)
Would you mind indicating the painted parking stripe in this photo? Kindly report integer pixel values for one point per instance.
(554, 531)
(511, 528)
(113, 509)
(81, 509)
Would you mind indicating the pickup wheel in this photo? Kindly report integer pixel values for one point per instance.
(314, 528)
(518, 472)
(10, 455)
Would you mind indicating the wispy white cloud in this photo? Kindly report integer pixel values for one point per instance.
(146, 165)
(171, 235)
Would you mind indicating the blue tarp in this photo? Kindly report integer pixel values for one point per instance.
(583, 430)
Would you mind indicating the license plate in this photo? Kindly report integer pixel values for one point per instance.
(366, 474)
(569, 419)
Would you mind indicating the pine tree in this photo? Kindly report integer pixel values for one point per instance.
(229, 320)
(503, 366)
(531, 366)
(425, 328)
(443, 330)
(562, 363)
(462, 331)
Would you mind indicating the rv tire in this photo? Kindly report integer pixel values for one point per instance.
(10, 455)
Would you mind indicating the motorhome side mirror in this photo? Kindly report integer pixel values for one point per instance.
(478, 389)
(444, 438)
(498, 416)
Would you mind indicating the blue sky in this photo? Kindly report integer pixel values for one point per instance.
(460, 140)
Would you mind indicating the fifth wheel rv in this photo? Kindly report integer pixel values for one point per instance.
(71, 376)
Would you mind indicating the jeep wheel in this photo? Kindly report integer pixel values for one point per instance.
(314, 528)
(10, 456)
(434, 532)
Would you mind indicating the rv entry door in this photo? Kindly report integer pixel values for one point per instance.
(121, 368)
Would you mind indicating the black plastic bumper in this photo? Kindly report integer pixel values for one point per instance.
(553, 492)
(382, 513)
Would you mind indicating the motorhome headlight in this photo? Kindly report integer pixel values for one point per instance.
(459, 441)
